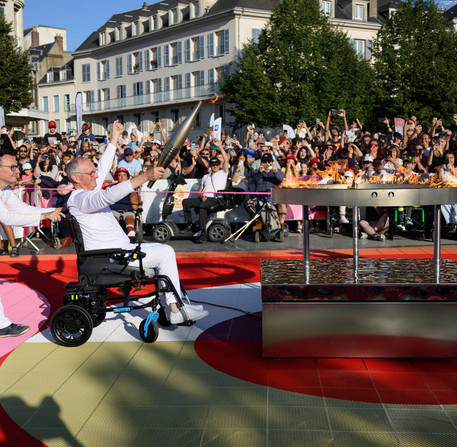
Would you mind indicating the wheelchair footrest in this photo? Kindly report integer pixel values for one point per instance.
(187, 323)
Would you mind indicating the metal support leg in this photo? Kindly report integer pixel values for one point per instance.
(306, 262)
(355, 244)
(437, 243)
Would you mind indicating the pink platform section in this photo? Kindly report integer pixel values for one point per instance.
(295, 212)
(22, 305)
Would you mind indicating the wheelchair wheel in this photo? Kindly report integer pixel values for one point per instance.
(71, 326)
(56, 243)
(161, 233)
(280, 236)
(152, 334)
(217, 232)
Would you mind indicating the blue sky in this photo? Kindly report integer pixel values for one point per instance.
(80, 18)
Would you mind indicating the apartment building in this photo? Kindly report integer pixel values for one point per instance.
(158, 61)
(12, 11)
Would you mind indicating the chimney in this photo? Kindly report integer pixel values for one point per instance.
(35, 37)
(373, 8)
(59, 40)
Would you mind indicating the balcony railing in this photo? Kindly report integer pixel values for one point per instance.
(152, 98)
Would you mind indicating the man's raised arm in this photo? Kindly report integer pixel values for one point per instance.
(106, 160)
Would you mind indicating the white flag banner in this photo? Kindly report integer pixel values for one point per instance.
(290, 131)
(399, 124)
(217, 128)
(79, 111)
(2, 116)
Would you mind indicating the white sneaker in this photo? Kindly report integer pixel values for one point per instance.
(343, 220)
(131, 233)
(363, 235)
(194, 306)
(187, 314)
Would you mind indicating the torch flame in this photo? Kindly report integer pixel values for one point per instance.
(214, 98)
(333, 175)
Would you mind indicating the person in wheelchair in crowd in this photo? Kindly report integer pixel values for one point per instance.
(89, 205)
(215, 181)
(126, 207)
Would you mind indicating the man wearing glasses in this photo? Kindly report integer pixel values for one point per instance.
(15, 212)
(89, 204)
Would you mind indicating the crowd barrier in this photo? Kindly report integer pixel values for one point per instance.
(153, 200)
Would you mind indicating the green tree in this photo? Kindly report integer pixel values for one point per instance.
(415, 62)
(301, 66)
(16, 82)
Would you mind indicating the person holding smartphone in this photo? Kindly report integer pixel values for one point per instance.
(86, 134)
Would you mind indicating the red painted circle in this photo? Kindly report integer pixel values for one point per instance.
(234, 347)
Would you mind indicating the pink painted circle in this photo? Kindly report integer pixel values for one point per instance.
(22, 305)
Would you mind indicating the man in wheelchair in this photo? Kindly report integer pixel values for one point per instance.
(90, 205)
(126, 207)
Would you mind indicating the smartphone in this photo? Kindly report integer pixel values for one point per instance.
(192, 146)
(251, 141)
(336, 112)
(318, 120)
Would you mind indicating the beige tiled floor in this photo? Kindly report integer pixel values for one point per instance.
(134, 394)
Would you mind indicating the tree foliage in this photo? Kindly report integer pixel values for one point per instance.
(415, 62)
(301, 66)
(16, 82)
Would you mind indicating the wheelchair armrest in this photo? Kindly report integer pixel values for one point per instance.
(104, 251)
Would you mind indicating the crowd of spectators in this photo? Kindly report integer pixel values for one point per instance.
(257, 162)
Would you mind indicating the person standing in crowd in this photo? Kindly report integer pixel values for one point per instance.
(85, 135)
(15, 212)
(130, 163)
(52, 136)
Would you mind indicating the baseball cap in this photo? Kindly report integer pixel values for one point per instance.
(313, 160)
(122, 170)
(368, 158)
(266, 158)
(52, 125)
(214, 161)
(291, 156)
(157, 142)
(26, 166)
(128, 151)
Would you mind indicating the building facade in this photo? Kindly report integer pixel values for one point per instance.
(12, 11)
(158, 61)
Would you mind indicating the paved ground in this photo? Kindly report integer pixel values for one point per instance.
(208, 385)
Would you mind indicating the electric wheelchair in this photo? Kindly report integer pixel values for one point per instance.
(85, 302)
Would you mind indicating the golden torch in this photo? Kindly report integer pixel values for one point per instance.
(177, 140)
